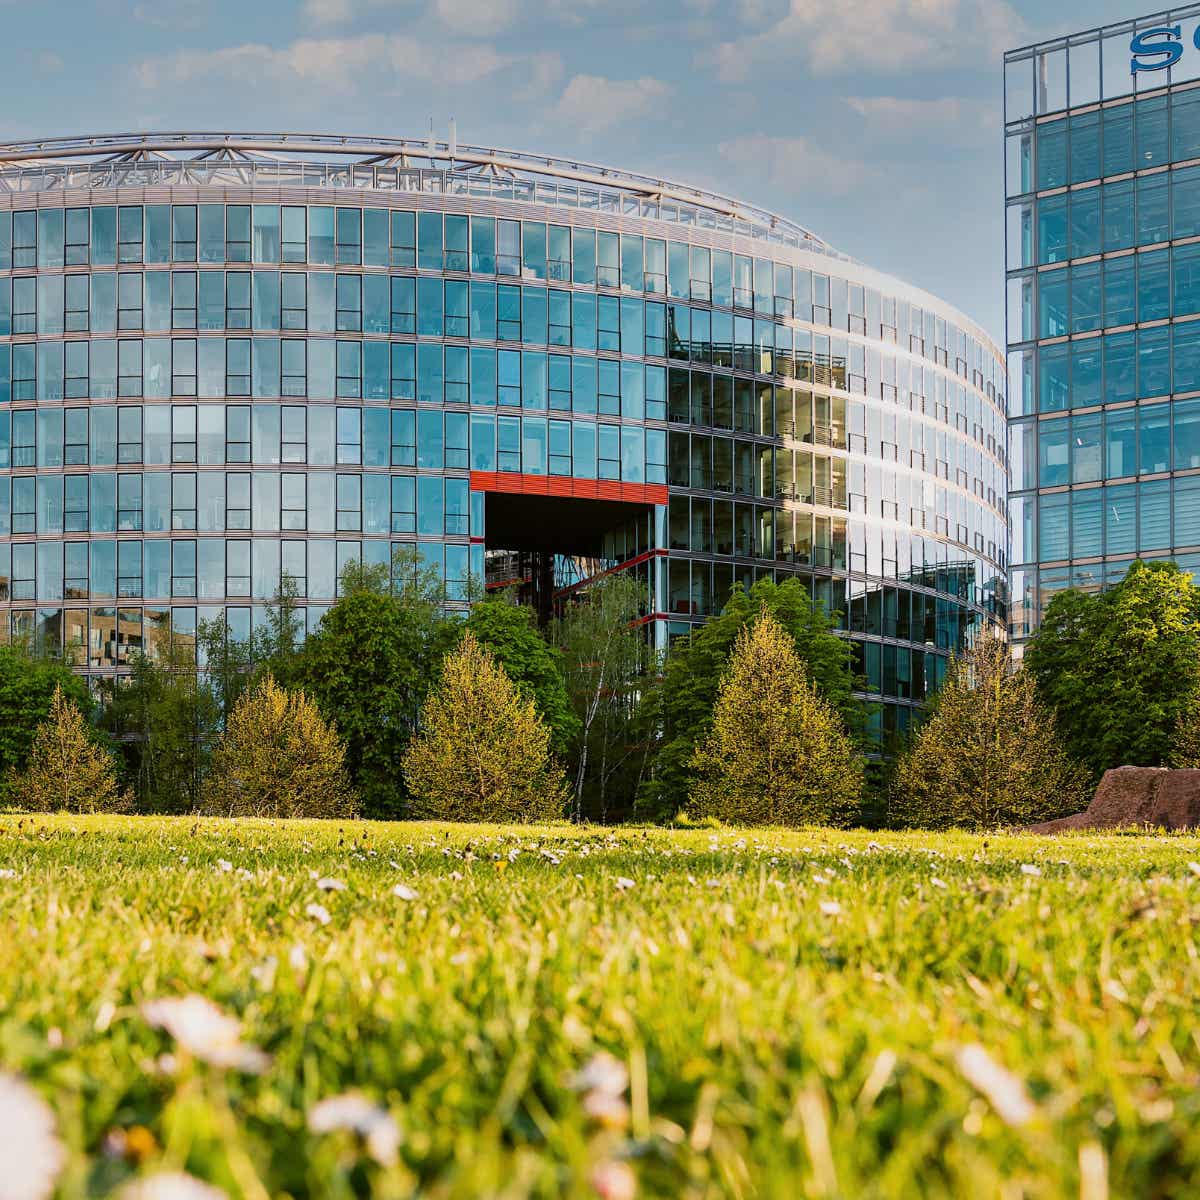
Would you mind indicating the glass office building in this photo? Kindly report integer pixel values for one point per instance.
(1103, 258)
(227, 357)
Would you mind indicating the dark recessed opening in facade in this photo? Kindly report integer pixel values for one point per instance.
(554, 524)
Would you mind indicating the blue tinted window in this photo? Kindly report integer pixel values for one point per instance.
(1120, 367)
(1118, 140)
(1185, 280)
(1085, 223)
(1154, 362)
(1185, 202)
(1086, 372)
(1052, 155)
(1154, 285)
(1186, 359)
(1085, 147)
(1153, 206)
(1085, 298)
(1118, 215)
(1053, 303)
(1120, 303)
(1151, 131)
(1053, 453)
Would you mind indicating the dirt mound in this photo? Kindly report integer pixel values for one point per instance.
(1137, 796)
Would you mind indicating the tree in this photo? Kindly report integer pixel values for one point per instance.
(368, 667)
(68, 770)
(695, 666)
(1185, 744)
(483, 753)
(509, 630)
(990, 754)
(1121, 668)
(278, 757)
(27, 687)
(605, 658)
(777, 754)
(167, 720)
(233, 664)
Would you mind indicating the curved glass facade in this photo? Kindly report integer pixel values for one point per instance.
(214, 373)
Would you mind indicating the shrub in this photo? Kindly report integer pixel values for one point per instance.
(68, 769)
(27, 686)
(278, 757)
(483, 753)
(777, 754)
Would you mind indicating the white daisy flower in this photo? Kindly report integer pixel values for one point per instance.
(353, 1112)
(623, 884)
(937, 883)
(319, 913)
(1030, 869)
(602, 1073)
(7, 873)
(329, 884)
(614, 1180)
(404, 892)
(170, 1185)
(830, 908)
(999, 1086)
(31, 1156)
(223, 864)
(207, 1033)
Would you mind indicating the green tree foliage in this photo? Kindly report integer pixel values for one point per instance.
(509, 630)
(166, 720)
(278, 757)
(27, 687)
(776, 754)
(990, 753)
(1185, 743)
(694, 668)
(1121, 668)
(368, 667)
(233, 664)
(68, 770)
(483, 753)
(606, 660)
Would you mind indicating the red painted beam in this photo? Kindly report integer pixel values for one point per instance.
(568, 487)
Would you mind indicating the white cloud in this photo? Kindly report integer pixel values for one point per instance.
(176, 15)
(328, 12)
(795, 164)
(592, 103)
(880, 35)
(469, 18)
(335, 63)
(476, 18)
(951, 117)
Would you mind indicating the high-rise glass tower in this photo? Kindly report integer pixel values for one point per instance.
(1103, 258)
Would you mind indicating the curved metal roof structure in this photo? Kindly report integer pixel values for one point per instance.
(382, 163)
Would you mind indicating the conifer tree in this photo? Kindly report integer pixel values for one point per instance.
(482, 754)
(68, 770)
(777, 753)
(990, 753)
(278, 757)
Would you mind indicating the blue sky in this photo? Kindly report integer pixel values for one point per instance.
(877, 123)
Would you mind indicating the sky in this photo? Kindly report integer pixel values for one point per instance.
(875, 123)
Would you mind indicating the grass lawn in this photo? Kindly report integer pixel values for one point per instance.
(558, 1012)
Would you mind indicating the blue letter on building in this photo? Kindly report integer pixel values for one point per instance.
(1160, 43)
